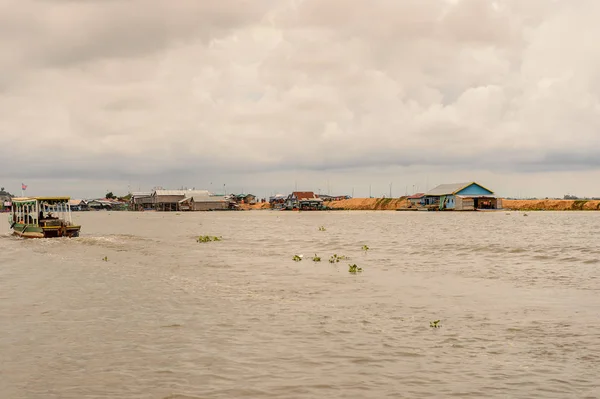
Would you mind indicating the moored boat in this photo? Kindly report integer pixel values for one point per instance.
(42, 217)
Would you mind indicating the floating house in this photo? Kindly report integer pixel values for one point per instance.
(78, 205)
(99, 204)
(416, 199)
(5, 200)
(204, 203)
(168, 200)
(461, 197)
(304, 200)
(246, 198)
(141, 200)
(277, 201)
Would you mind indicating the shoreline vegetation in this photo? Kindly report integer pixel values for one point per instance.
(402, 203)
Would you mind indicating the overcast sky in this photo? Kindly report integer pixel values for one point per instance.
(331, 95)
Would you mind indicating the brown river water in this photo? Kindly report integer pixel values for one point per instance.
(168, 317)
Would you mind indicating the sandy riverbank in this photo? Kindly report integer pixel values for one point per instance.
(354, 204)
(551, 205)
(391, 204)
(370, 204)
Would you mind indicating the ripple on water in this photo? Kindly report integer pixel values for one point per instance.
(166, 317)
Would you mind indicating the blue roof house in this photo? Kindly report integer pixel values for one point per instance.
(462, 197)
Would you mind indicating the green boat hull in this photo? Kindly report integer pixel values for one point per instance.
(34, 231)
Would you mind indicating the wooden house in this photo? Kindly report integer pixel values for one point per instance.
(303, 200)
(5, 199)
(168, 200)
(462, 197)
(141, 201)
(204, 203)
(78, 205)
(416, 199)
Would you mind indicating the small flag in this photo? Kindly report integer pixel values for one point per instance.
(23, 186)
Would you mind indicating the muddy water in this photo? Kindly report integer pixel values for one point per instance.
(167, 317)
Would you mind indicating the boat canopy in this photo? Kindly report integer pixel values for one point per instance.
(48, 200)
(32, 208)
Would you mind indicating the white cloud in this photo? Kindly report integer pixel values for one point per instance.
(149, 90)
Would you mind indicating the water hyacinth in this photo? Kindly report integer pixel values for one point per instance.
(208, 238)
(354, 269)
(297, 258)
(335, 258)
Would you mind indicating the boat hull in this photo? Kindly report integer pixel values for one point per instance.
(33, 231)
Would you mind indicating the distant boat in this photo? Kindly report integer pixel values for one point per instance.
(42, 217)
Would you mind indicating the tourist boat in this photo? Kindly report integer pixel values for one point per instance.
(42, 217)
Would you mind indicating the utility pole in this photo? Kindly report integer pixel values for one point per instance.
(390, 190)
(369, 191)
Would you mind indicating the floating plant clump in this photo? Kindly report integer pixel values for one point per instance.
(105, 259)
(322, 228)
(354, 269)
(297, 258)
(336, 258)
(365, 248)
(435, 324)
(316, 258)
(208, 238)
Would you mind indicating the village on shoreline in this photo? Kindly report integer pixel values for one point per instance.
(470, 196)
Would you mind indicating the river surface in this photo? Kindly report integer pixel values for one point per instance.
(518, 299)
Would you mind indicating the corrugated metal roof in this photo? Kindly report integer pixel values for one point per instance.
(141, 194)
(169, 192)
(448, 189)
(305, 195)
(477, 196)
(205, 198)
(187, 193)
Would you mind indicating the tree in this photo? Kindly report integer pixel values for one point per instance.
(110, 195)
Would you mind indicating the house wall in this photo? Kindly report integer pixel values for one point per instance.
(450, 201)
(209, 205)
(291, 202)
(464, 204)
(4, 199)
(167, 202)
(474, 189)
(431, 200)
(142, 200)
(167, 198)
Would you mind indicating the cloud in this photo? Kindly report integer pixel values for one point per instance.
(142, 89)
